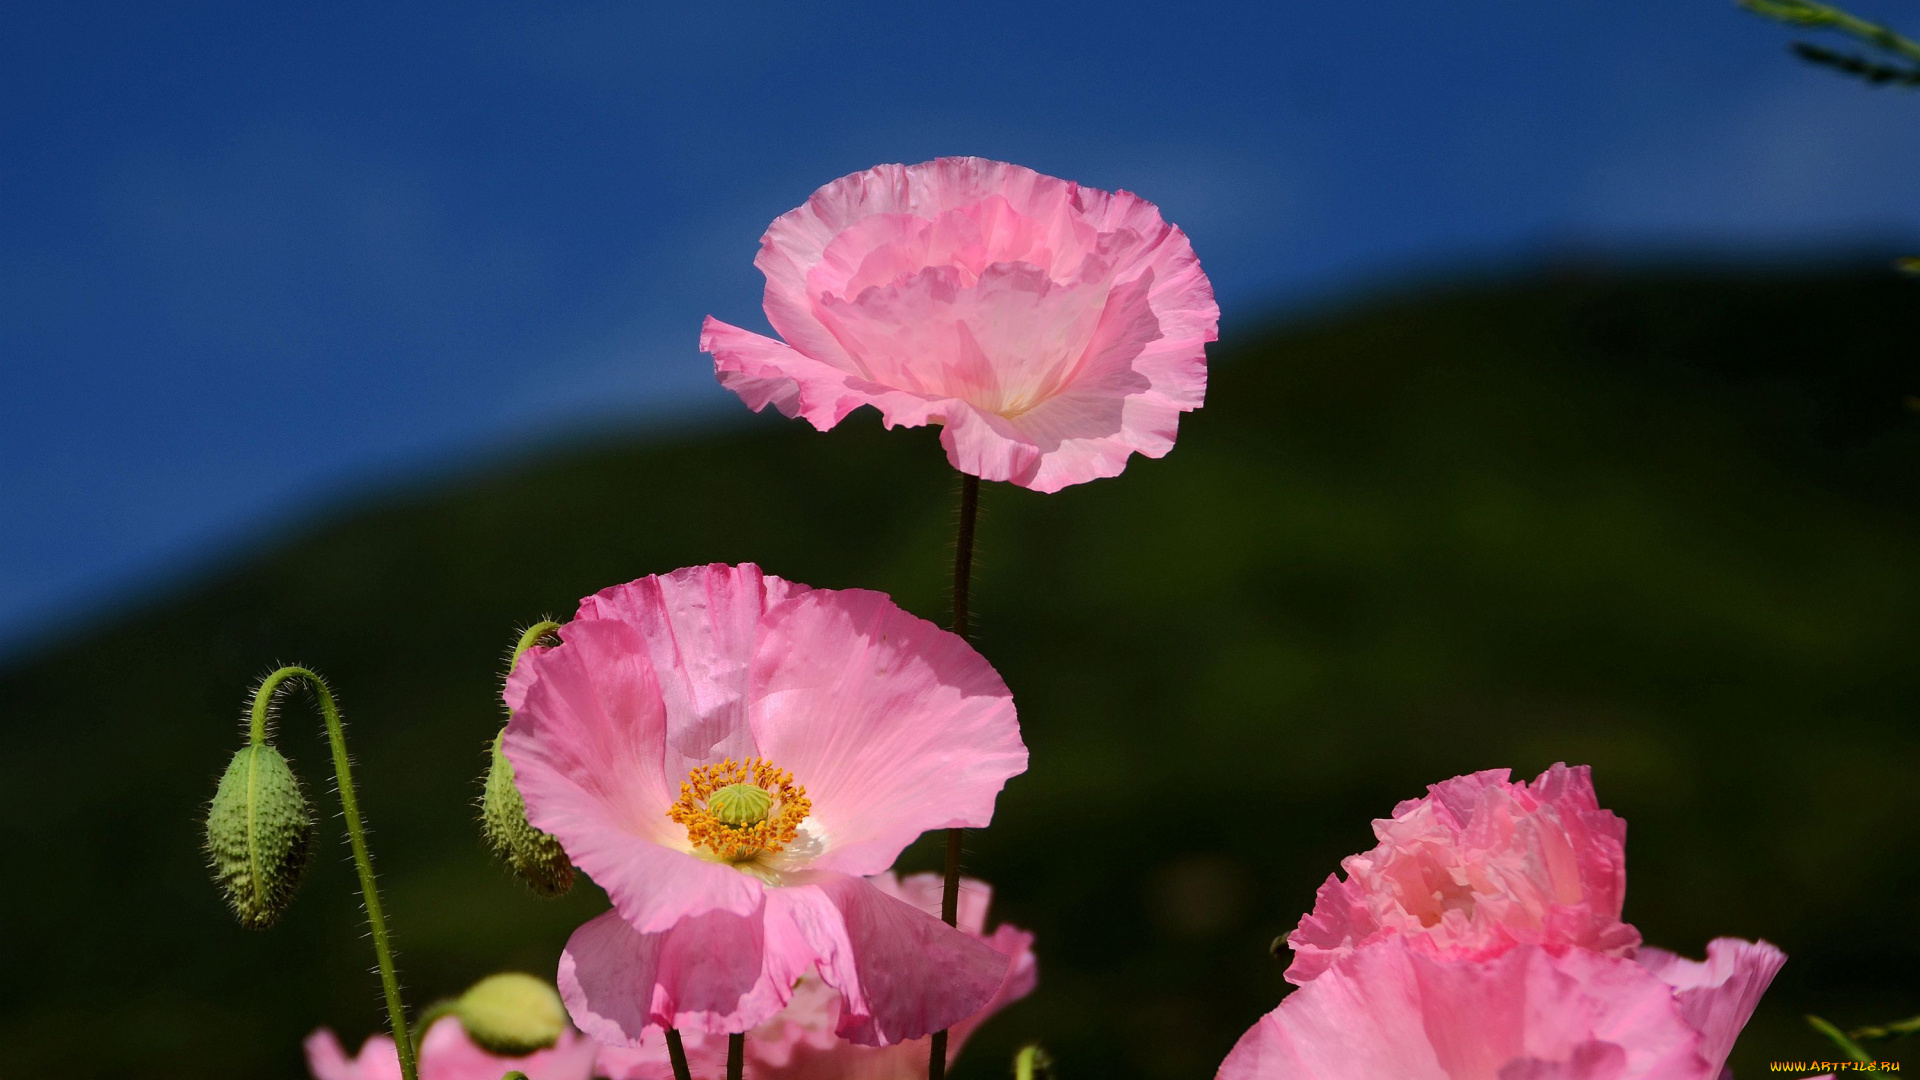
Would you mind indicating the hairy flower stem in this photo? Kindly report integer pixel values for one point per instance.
(677, 1053)
(357, 839)
(962, 584)
(736, 1056)
(545, 629)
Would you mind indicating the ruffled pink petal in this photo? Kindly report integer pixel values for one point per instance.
(712, 972)
(1388, 1011)
(1476, 866)
(765, 372)
(586, 741)
(893, 725)
(901, 973)
(1718, 996)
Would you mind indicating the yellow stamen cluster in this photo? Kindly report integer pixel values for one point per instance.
(737, 828)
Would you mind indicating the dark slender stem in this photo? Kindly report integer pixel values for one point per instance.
(356, 839)
(962, 594)
(963, 553)
(677, 1053)
(736, 1056)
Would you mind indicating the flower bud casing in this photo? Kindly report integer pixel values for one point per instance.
(259, 835)
(535, 856)
(511, 1014)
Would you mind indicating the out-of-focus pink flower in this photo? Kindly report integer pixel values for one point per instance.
(729, 755)
(1476, 866)
(799, 1042)
(1388, 1011)
(1717, 997)
(447, 1054)
(1052, 329)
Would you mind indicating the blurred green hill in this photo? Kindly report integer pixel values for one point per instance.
(1665, 524)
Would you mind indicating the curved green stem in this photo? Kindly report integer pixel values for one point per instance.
(541, 629)
(1812, 13)
(356, 837)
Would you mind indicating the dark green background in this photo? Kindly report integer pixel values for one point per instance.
(1667, 524)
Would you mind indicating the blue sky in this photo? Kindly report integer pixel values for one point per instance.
(256, 258)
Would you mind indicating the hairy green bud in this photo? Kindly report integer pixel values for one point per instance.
(259, 834)
(511, 1014)
(535, 856)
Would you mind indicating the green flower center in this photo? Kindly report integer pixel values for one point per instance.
(740, 805)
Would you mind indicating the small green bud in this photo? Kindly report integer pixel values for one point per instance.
(511, 1014)
(535, 856)
(259, 834)
(740, 804)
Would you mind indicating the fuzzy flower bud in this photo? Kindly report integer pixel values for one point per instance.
(535, 856)
(259, 834)
(511, 1014)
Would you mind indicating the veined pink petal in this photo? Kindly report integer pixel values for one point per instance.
(446, 1053)
(1053, 329)
(894, 725)
(799, 1043)
(900, 972)
(712, 972)
(587, 738)
(701, 625)
(1476, 866)
(1531, 1013)
(1718, 996)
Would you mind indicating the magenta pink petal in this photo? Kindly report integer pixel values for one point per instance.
(1385, 1010)
(586, 745)
(901, 973)
(894, 725)
(1718, 996)
(713, 972)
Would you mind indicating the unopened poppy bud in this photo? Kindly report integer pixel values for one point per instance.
(259, 834)
(535, 856)
(511, 1014)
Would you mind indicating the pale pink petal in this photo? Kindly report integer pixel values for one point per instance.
(448, 1054)
(1476, 866)
(893, 725)
(1386, 1010)
(586, 742)
(799, 1043)
(901, 973)
(1053, 329)
(765, 372)
(327, 1059)
(713, 972)
(701, 625)
(1718, 996)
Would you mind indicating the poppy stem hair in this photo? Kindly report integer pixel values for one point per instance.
(962, 585)
(263, 700)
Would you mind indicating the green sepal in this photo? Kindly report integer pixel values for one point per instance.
(536, 857)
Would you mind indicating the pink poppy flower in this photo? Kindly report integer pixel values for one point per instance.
(447, 1054)
(1532, 1013)
(799, 1042)
(1476, 866)
(729, 756)
(1052, 330)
